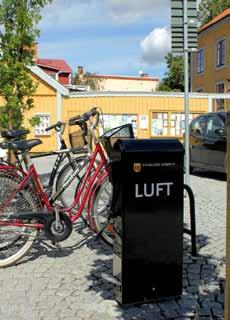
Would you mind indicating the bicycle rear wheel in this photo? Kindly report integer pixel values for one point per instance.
(15, 241)
(78, 165)
(100, 211)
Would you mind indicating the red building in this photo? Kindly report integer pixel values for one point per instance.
(56, 68)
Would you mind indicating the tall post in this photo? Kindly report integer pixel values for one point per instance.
(227, 284)
(186, 92)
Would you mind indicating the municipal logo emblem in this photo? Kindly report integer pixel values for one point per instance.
(137, 167)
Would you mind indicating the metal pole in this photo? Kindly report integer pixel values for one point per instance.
(186, 92)
(227, 284)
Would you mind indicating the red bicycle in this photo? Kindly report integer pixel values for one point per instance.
(25, 209)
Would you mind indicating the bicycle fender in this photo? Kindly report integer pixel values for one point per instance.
(12, 170)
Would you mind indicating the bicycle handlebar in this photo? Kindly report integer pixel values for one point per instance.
(4, 145)
(97, 119)
(88, 114)
(79, 120)
(55, 126)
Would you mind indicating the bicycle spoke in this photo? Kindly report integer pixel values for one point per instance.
(101, 210)
(15, 240)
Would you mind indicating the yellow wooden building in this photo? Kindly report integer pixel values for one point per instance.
(211, 63)
(152, 114)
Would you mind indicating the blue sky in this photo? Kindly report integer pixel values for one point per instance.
(119, 37)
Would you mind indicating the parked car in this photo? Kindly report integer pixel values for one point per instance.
(207, 136)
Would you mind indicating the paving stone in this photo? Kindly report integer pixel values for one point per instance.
(205, 312)
(220, 298)
(217, 309)
(66, 283)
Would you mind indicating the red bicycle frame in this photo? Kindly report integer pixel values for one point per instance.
(92, 181)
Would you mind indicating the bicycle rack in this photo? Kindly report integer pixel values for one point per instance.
(192, 231)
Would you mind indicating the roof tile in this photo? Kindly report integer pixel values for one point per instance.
(220, 16)
(57, 64)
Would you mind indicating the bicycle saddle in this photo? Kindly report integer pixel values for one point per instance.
(13, 134)
(23, 145)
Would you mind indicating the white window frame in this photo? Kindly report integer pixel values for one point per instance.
(200, 61)
(219, 63)
(174, 125)
(39, 130)
(114, 120)
(220, 102)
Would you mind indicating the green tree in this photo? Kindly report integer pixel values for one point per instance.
(174, 80)
(18, 33)
(209, 9)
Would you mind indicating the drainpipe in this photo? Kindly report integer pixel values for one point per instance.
(58, 111)
(57, 76)
(70, 78)
(209, 103)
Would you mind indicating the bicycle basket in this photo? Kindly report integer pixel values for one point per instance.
(76, 139)
(119, 133)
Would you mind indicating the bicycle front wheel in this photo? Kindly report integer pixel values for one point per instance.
(15, 241)
(100, 211)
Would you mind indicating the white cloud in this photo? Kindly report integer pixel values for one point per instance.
(76, 31)
(66, 14)
(129, 11)
(155, 46)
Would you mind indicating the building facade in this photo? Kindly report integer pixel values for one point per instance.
(153, 114)
(124, 83)
(210, 65)
(99, 82)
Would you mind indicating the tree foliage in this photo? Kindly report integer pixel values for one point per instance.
(209, 9)
(18, 33)
(174, 80)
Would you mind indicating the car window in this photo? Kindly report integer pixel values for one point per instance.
(198, 126)
(214, 123)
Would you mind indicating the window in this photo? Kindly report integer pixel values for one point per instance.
(114, 120)
(221, 51)
(198, 126)
(214, 123)
(169, 123)
(44, 123)
(159, 124)
(200, 61)
(220, 102)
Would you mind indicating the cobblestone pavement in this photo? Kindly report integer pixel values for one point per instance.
(67, 283)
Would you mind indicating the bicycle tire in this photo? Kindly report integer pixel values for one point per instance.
(100, 211)
(74, 188)
(66, 197)
(15, 242)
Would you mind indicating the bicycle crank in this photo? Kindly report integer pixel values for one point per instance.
(60, 230)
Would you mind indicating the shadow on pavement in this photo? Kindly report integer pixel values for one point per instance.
(203, 289)
(210, 175)
(44, 247)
